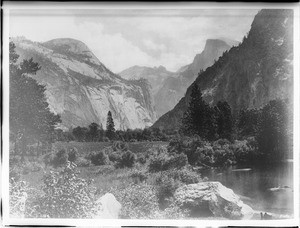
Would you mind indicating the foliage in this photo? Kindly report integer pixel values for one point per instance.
(127, 159)
(138, 176)
(138, 201)
(30, 117)
(73, 155)
(83, 162)
(247, 122)
(17, 198)
(200, 117)
(272, 137)
(165, 161)
(110, 126)
(99, 158)
(224, 120)
(119, 145)
(60, 158)
(65, 195)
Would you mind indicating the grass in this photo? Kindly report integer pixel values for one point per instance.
(86, 147)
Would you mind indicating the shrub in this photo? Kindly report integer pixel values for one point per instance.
(99, 158)
(142, 158)
(105, 169)
(83, 162)
(185, 176)
(73, 155)
(119, 145)
(138, 201)
(60, 158)
(165, 189)
(115, 156)
(17, 198)
(165, 161)
(127, 160)
(138, 176)
(65, 195)
(31, 166)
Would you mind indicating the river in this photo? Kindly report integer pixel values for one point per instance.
(266, 189)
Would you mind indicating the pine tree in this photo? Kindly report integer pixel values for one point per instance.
(30, 117)
(273, 137)
(199, 118)
(224, 120)
(110, 126)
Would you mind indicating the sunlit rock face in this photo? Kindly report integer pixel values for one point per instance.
(82, 90)
(212, 199)
(251, 74)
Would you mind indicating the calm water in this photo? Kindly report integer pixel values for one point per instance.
(258, 186)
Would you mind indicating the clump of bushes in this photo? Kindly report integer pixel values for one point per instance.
(119, 145)
(167, 161)
(127, 159)
(138, 176)
(215, 154)
(168, 181)
(138, 201)
(65, 195)
(99, 158)
(83, 162)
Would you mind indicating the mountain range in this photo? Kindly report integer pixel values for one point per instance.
(251, 74)
(82, 90)
(169, 87)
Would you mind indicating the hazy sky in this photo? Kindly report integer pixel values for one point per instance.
(123, 38)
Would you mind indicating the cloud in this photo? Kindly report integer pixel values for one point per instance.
(123, 41)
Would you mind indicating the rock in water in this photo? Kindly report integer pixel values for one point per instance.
(212, 199)
(109, 207)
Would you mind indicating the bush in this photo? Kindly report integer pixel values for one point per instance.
(138, 176)
(114, 156)
(73, 155)
(185, 176)
(83, 162)
(31, 166)
(60, 158)
(186, 145)
(17, 198)
(127, 160)
(99, 158)
(138, 201)
(119, 145)
(65, 195)
(165, 161)
(165, 189)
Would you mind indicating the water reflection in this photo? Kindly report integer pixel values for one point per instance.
(268, 188)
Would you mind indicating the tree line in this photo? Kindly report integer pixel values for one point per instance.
(271, 125)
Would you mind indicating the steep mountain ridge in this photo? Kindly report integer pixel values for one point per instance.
(260, 69)
(173, 89)
(82, 90)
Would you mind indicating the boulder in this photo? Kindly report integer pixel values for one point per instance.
(211, 199)
(108, 207)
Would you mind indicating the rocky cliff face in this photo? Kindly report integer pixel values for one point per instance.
(82, 90)
(173, 89)
(260, 69)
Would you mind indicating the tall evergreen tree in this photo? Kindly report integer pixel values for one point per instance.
(199, 118)
(273, 137)
(110, 126)
(30, 117)
(224, 120)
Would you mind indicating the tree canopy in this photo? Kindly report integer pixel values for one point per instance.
(29, 113)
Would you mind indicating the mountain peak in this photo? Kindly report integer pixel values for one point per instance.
(214, 44)
(68, 44)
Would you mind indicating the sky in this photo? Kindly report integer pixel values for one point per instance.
(124, 38)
